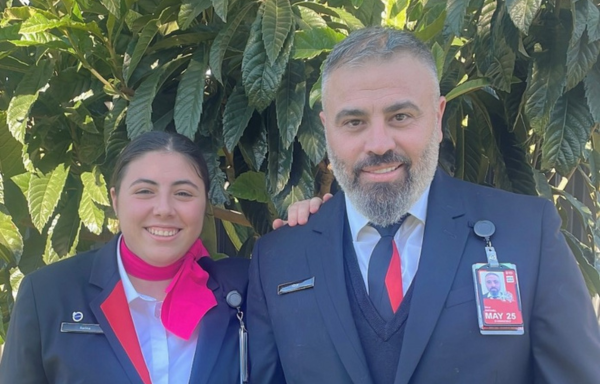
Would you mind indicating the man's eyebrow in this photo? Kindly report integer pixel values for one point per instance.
(349, 113)
(400, 106)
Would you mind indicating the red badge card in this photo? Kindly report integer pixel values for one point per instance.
(498, 299)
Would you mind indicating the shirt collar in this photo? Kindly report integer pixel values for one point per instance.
(358, 221)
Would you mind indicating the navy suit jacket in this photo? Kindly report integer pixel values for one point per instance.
(37, 352)
(310, 337)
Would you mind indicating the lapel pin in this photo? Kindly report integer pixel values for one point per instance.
(77, 316)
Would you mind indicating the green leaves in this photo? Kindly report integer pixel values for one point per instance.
(25, 95)
(312, 42)
(94, 192)
(261, 78)
(522, 12)
(43, 194)
(567, 133)
(236, 117)
(276, 25)
(190, 95)
(290, 101)
(250, 186)
(11, 241)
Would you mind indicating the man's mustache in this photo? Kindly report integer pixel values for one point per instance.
(373, 160)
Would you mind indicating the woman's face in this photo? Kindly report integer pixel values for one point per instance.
(160, 206)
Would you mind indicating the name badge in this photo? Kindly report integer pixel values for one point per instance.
(80, 328)
(498, 299)
(301, 285)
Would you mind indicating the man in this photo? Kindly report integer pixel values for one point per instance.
(322, 309)
(494, 288)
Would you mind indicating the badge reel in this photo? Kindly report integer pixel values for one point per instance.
(497, 290)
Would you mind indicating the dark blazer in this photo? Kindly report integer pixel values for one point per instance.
(37, 352)
(311, 337)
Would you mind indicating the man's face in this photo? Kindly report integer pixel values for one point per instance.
(383, 128)
(492, 283)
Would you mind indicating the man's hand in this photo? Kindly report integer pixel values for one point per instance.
(299, 212)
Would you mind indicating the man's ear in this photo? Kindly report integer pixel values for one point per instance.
(322, 116)
(440, 114)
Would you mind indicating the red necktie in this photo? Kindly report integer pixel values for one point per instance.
(385, 273)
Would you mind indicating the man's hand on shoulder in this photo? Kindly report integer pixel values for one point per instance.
(299, 212)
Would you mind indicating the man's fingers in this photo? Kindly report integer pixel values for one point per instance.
(278, 223)
(314, 204)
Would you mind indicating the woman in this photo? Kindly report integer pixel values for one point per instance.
(149, 306)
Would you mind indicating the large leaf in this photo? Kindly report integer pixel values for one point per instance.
(299, 187)
(209, 148)
(501, 67)
(221, 43)
(593, 21)
(290, 101)
(466, 87)
(139, 113)
(65, 234)
(312, 136)
(189, 10)
(581, 56)
(95, 186)
(590, 274)
(276, 25)
(220, 7)
(567, 133)
(455, 16)
(250, 186)
(545, 85)
(44, 193)
(592, 91)
(25, 95)
(261, 79)
(190, 95)
(280, 161)
(11, 240)
(113, 6)
(91, 215)
(236, 117)
(313, 42)
(10, 151)
(522, 12)
(145, 38)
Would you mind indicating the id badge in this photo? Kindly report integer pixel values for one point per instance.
(498, 299)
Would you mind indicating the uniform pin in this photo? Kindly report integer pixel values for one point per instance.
(77, 316)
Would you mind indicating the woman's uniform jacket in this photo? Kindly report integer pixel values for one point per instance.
(71, 324)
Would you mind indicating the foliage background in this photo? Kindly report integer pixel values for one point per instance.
(79, 78)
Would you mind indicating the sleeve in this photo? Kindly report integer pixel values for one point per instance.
(565, 334)
(22, 357)
(265, 366)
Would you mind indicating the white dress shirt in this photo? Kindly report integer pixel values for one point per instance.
(168, 357)
(409, 239)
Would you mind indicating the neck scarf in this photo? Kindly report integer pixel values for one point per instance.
(188, 298)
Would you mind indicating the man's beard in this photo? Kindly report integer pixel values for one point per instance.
(385, 203)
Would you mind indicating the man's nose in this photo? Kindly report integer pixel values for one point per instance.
(380, 138)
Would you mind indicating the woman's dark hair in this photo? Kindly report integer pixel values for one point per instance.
(157, 141)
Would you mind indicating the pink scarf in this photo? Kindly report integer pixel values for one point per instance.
(188, 298)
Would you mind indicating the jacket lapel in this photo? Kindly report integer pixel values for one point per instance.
(446, 232)
(213, 330)
(112, 312)
(326, 261)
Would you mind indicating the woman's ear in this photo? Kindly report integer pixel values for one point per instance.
(113, 197)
